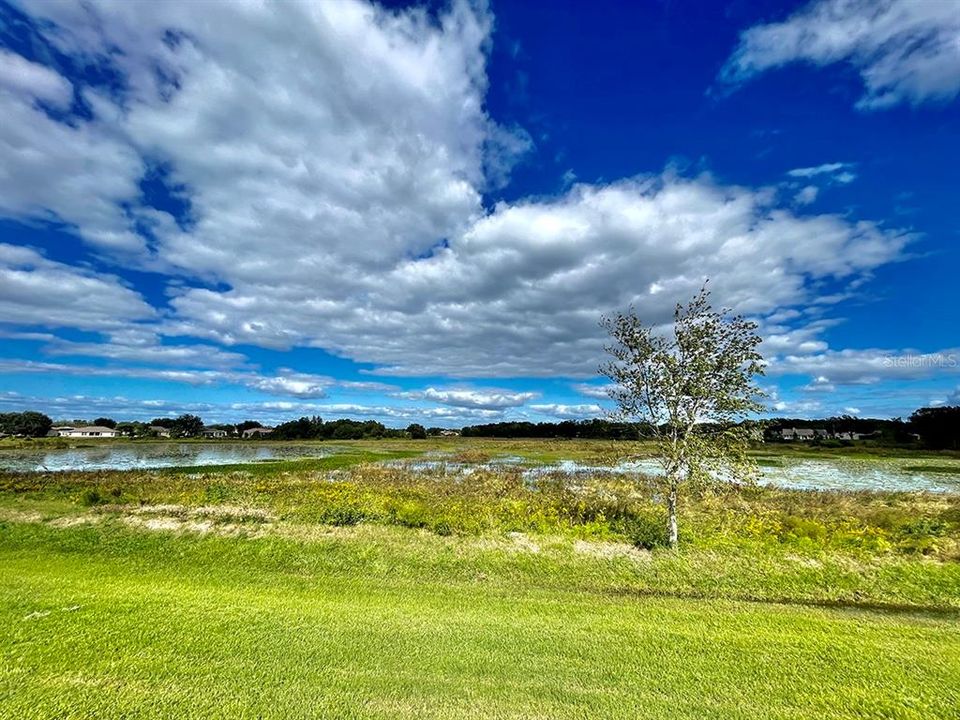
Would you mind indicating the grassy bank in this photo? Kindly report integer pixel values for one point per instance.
(109, 621)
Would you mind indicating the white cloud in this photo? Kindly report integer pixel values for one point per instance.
(154, 352)
(468, 398)
(520, 291)
(33, 81)
(906, 51)
(838, 172)
(37, 291)
(806, 195)
(601, 392)
(297, 384)
(819, 384)
(569, 412)
(868, 366)
(851, 410)
(334, 157)
(285, 383)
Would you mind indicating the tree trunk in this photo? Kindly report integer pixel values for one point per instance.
(672, 533)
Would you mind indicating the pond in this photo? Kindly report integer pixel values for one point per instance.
(795, 473)
(154, 455)
(816, 474)
(883, 474)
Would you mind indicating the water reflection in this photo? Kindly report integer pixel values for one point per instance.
(153, 455)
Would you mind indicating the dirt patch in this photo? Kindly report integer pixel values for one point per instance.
(74, 520)
(523, 542)
(19, 516)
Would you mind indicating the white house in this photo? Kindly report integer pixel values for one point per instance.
(159, 430)
(90, 431)
(215, 433)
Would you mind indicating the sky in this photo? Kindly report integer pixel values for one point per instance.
(420, 213)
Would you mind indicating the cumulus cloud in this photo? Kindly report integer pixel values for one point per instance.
(868, 366)
(520, 291)
(285, 382)
(37, 291)
(569, 412)
(906, 51)
(601, 392)
(471, 398)
(333, 157)
(819, 384)
(298, 384)
(32, 81)
(806, 195)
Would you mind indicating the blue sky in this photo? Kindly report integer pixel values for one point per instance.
(419, 213)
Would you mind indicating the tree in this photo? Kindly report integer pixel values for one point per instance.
(26, 424)
(247, 425)
(691, 389)
(187, 425)
(417, 431)
(105, 422)
(939, 427)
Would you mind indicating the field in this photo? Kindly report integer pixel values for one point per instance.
(358, 586)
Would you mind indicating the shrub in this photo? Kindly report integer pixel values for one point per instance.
(799, 528)
(90, 497)
(217, 492)
(646, 530)
(342, 515)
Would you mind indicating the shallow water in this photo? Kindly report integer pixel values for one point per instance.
(153, 455)
(800, 474)
(806, 474)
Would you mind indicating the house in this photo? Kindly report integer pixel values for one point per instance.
(159, 431)
(253, 433)
(215, 433)
(61, 430)
(449, 433)
(90, 431)
(801, 434)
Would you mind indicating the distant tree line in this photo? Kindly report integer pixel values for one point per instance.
(595, 429)
(893, 432)
(314, 428)
(939, 427)
(936, 428)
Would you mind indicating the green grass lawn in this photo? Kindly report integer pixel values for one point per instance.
(104, 621)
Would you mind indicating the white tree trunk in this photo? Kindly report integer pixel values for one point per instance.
(672, 532)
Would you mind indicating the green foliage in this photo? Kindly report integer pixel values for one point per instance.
(25, 424)
(416, 431)
(692, 391)
(187, 425)
(90, 497)
(646, 529)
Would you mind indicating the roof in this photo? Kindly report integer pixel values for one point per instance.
(94, 428)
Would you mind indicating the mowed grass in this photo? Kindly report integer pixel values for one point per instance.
(104, 621)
